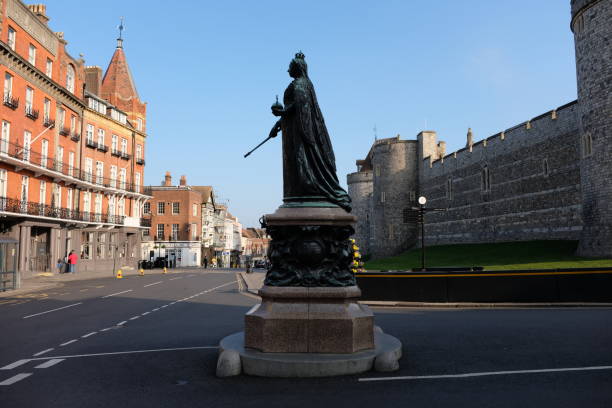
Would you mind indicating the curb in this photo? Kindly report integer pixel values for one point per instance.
(375, 303)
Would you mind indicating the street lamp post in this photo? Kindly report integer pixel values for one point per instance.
(421, 218)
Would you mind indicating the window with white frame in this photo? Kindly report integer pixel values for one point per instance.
(70, 78)
(47, 110)
(89, 134)
(138, 123)
(146, 208)
(87, 203)
(123, 146)
(114, 143)
(3, 185)
(88, 169)
(160, 231)
(138, 152)
(6, 137)
(69, 198)
(57, 196)
(44, 153)
(25, 181)
(111, 205)
(161, 208)
(176, 208)
(122, 179)
(100, 137)
(49, 68)
(32, 54)
(72, 124)
(121, 209)
(59, 159)
(42, 194)
(29, 100)
(137, 182)
(70, 163)
(113, 176)
(98, 204)
(12, 37)
(175, 232)
(61, 118)
(27, 141)
(8, 86)
(194, 209)
(194, 231)
(99, 172)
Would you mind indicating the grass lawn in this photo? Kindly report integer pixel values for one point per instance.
(507, 255)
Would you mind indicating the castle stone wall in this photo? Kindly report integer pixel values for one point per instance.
(395, 179)
(360, 188)
(532, 190)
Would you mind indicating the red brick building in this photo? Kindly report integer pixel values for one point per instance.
(61, 187)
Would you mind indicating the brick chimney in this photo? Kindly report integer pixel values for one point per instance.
(41, 12)
(183, 180)
(93, 79)
(168, 179)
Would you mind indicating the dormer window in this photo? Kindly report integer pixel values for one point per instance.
(70, 78)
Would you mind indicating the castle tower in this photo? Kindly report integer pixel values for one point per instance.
(592, 28)
(360, 187)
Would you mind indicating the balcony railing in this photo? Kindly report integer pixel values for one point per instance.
(31, 113)
(48, 122)
(125, 156)
(116, 152)
(91, 143)
(102, 148)
(31, 208)
(140, 160)
(64, 131)
(34, 158)
(11, 102)
(75, 137)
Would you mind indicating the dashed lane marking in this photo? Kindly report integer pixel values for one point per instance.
(40, 353)
(151, 284)
(145, 313)
(114, 353)
(134, 318)
(68, 342)
(15, 378)
(88, 334)
(53, 310)
(487, 373)
(50, 363)
(15, 364)
(122, 323)
(180, 277)
(118, 293)
(106, 329)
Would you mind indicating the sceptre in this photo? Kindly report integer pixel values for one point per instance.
(274, 130)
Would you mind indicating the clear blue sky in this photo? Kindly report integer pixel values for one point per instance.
(210, 70)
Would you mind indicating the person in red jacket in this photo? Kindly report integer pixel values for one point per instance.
(72, 261)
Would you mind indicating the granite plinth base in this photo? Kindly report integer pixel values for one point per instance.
(309, 320)
(235, 359)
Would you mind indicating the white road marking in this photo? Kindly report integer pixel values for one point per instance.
(118, 293)
(128, 352)
(180, 277)
(122, 323)
(88, 334)
(164, 306)
(151, 284)
(50, 363)
(155, 310)
(108, 328)
(486, 373)
(68, 342)
(134, 318)
(40, 353)
(145, 313)
(52, 310)
(15, 364)
(15, 378)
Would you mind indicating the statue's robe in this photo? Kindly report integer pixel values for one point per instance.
(309, 165)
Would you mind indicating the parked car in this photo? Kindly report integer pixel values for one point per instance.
(260, 263)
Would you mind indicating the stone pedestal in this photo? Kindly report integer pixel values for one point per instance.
(309, 320)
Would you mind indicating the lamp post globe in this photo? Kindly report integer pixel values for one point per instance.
(422, 200)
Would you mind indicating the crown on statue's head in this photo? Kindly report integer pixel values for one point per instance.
(300, 55)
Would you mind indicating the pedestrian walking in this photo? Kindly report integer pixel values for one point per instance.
(72, 261)
(60, 265)
(205, 263)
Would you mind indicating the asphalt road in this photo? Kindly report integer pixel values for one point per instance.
(151, 342)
